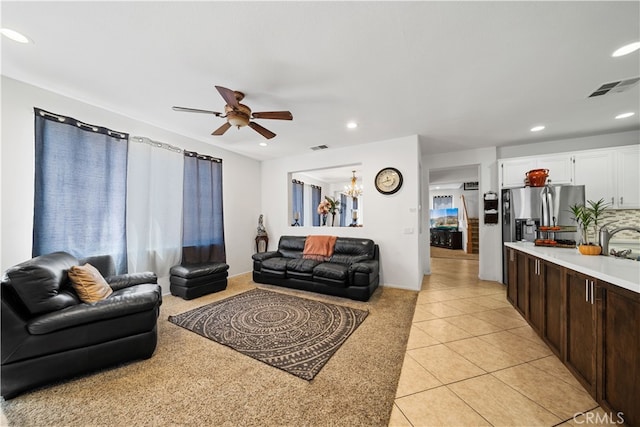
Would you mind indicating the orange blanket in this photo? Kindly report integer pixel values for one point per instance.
(319, 248)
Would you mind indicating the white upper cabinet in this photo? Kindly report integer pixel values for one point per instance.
(595, 169)
(513, 171)
(560, 168)
(610, 174)
(628, 174)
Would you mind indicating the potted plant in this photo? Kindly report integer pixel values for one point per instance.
(586, 217)
(597, 210)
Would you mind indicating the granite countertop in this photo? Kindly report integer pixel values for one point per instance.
(620, 272)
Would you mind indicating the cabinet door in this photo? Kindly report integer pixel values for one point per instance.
(512, 276)
(620, 338)
(560, 168)
(534, 306)
(512, 172)
(595, 170)
(580, 354)
(628, 161)
(552, 307)
(521, 285)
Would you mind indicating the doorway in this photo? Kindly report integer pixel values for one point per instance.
(454, 214)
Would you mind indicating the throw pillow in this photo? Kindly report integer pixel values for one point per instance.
(89, 283)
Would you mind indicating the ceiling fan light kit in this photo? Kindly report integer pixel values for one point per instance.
(239, 115)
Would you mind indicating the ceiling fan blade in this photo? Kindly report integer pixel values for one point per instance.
(195, 110)
(222, 129)
(262, 131)
(278, 115)
(228, 95)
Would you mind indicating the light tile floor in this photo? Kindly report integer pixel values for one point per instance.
(473, 360)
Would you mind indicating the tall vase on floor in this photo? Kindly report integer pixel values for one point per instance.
(333, 219)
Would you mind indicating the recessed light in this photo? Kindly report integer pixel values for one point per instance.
(537, 128)
(14, 35)
(624, 115)
(263, 144)
(352, 125)
(627, 49)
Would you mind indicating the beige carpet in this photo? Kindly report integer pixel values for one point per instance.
(193, 381)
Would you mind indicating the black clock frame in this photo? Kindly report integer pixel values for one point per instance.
(395, 190)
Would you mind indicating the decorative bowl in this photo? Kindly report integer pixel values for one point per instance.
(537, 177)
(590, 249)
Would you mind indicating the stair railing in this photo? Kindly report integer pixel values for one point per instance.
(469, 230)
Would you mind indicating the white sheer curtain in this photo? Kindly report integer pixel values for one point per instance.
(154, 206)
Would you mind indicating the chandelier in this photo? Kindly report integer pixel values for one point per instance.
(353, 190)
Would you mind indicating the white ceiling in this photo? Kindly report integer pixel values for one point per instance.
(460, 75)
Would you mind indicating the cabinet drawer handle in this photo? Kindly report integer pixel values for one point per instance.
(586, 290)
(621, 200)
(612, 200)
(593, 298)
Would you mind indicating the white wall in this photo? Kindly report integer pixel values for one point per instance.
(241, 175)
(391, 221)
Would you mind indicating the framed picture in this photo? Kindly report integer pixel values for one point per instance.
(471, 185)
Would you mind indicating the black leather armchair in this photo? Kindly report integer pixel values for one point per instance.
(48, 334)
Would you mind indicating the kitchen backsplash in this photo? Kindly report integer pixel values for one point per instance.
(623, 218)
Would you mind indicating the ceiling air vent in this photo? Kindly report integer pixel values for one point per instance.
(319, 147)
(613, 87)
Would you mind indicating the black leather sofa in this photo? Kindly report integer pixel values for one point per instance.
(48, 334)
(352, 271)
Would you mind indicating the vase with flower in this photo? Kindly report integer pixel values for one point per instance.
(328, 206)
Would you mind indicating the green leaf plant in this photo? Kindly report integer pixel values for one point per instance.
(587, 216)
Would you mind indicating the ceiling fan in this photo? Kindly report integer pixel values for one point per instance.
(240, 115)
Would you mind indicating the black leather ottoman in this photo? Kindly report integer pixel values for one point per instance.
(194, 280)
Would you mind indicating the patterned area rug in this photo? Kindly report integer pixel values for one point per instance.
(294, 334)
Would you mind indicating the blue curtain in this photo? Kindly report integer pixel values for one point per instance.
(202, 214)
(298, 201)
(316, 195)
(80, 189)
(343, 210)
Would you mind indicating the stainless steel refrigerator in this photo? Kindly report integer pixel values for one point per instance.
(526, 209)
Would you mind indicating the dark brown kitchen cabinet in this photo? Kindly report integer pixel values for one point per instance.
(618, 367)
(592, 326)
(534, 290)
(552, 276)
(521, 285)
(580, 355)
(512, 276)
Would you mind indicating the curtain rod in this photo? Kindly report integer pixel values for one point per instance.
(71, 121)
(145, 140)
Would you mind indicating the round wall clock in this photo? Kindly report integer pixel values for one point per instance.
(388, 180)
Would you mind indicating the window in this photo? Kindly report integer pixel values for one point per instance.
(442, 202)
